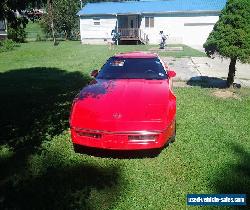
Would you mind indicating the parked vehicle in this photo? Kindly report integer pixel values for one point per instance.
(129, 105)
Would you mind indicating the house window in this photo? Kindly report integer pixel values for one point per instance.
(149, 22)
(2, 25)
(96, 21)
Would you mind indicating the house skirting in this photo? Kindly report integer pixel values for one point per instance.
(96, 41)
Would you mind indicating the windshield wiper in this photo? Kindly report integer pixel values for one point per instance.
(154, 78)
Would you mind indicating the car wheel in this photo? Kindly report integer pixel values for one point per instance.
(77, 148)
(172, 139)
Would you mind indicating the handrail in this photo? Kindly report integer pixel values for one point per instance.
(129, 32)
(134, 33)
(144, 37)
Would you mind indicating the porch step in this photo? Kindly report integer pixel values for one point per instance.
(133, 34)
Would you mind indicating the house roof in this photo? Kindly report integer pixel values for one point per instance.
(142, 7)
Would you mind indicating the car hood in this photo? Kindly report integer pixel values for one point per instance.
(124, 105)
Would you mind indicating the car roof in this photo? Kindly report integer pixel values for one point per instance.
(136, 55)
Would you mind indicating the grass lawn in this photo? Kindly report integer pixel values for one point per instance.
(186, 52)
(69, 55)
(34, 31)
(39, 169)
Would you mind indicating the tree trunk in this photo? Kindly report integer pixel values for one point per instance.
(53, 32)
(65, 35)
(231, 73)
(51, 17)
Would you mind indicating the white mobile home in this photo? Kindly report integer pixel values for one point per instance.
(185, 21)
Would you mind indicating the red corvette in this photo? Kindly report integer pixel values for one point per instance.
(129, 105)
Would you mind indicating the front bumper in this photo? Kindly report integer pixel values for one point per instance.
(120, 140)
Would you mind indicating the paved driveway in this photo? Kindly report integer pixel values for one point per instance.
(204, 68)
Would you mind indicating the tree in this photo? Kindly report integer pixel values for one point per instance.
(61, 17)
(230, 37)
(16, 25)
(51, 17)
(67, 20)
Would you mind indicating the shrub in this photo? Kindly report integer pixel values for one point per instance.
(5, 152)
(7, 45)
(17, 34)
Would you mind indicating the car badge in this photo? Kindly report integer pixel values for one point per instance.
(117, 115)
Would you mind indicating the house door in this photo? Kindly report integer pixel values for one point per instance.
(133, 21)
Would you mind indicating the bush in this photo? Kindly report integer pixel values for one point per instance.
(16, 29)
(7, 45)
(5, 152)
(17, 34)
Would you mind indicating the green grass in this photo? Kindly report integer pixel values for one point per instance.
(186, 52)
(34, 31)
(39, 169)
(68, 55)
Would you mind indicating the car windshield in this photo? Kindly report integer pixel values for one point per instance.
(132, 68)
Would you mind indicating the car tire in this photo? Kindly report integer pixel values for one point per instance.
(172, 138)
(77, 148)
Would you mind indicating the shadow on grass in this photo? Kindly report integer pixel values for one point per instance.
(35, 106)
(35, 103)
(79, 187)
(119, 154)
(207, 82)
(235, 178)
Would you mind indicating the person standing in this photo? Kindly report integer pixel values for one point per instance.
(163, 40)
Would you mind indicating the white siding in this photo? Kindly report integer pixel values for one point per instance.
(178, 29)
(95, 34)
(182, 29)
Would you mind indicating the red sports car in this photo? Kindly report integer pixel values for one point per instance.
(130, 105)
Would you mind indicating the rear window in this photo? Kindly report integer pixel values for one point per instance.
(132, 68)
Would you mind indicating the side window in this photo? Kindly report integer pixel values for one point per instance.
(2, 25)
(96, 21)
(149, 22)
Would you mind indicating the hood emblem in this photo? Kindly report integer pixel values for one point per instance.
(117, 115)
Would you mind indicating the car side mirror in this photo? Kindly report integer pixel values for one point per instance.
(171, 74)
(94, 73)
